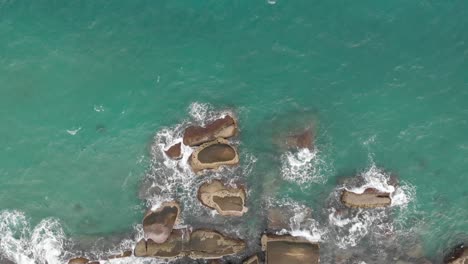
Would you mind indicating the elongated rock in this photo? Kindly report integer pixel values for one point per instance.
(157, 225)
(287, 249)
(225, 200)
(210, 244)
(214, 154)
(221, 128)
(79, 260)
(175, 246)
(370, 198)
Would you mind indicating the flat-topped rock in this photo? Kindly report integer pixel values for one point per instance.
(157, 225)
(458, 255)
(225, 200)
(174, 151)
(370, 198)
(286, 249)
(220, 128)
(210, 244)
(174, 246)
(79, 260)
(213, 154)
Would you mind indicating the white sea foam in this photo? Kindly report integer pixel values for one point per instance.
(98, 108)
(199, 111)
(23, 244)
(73, 131)
(301, 223)
(303, 166)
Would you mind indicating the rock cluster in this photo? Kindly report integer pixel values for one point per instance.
(225, 200)
(370, 198)
(287, 249)
(202, 243)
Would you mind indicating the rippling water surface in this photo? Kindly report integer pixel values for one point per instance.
(91, 92)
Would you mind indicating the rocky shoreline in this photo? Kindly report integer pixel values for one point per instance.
(212, 150)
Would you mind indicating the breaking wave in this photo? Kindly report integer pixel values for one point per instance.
(303, 166)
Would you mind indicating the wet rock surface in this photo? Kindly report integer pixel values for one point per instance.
(252, 260)
(214, 154)
(287, 249)
(79, 260)
(174, 151)
(221, 128)
(370, 198)
(157, 225)
(173, 247)
(225, 200)
(458, 255)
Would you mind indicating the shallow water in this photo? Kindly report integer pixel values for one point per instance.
(92, 91)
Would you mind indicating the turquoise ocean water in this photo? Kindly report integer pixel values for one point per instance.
(86, 85)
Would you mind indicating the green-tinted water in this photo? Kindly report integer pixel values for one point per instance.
(387, 80)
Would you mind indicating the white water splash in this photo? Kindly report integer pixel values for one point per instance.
(25, 245)
(73, 131)
(302, 167)
(199, 111)
(98, 108)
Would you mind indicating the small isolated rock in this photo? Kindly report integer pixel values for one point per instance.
(210, 244)
(290, 250)
(157, 225)
(458, 255)
(79, 260)
(174, 246)
(174, 151)
(214, 154)
(226, 201)
(252, 260)
(221, 128)
(370, 198)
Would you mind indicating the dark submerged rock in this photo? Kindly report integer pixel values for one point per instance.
(458, 255)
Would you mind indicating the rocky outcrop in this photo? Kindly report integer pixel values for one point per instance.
(174, 151)
(174, 246)
(201, 244)
(370, 198)
(157, 225)
(221, 128)
(458, 255)
(210, 244)
(213, 154)
(225, 200)
(304, 139)
(290, 250)
(252, 260)
(79, 260)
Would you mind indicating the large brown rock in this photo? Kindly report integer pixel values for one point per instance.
(214, 154)
(175, 246)
(225, 200)
(287, 249)
(221, 128)
(210, 244)
(157, 225)
(79, 260)
(174, 151)
(370, 198)
(458, 255)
